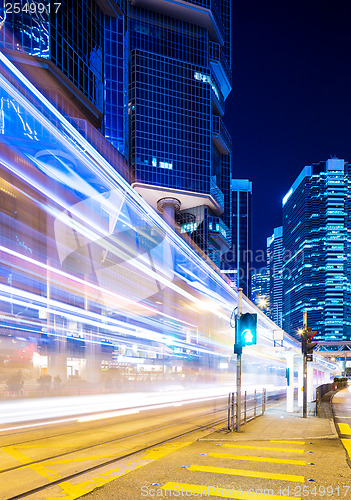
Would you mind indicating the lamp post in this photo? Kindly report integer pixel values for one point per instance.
(304, 368)
(238, 364)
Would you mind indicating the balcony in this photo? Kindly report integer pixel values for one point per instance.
(220, 68)
(204, 13)
(221, 136)
(215, 192)
(111, 7)
(218, 232)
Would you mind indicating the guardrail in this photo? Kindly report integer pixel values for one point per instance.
(252, 406)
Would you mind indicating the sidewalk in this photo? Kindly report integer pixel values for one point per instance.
(276, 423)
(277, 456)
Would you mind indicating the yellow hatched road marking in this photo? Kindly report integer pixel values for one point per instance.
(268, 448)
(252, 458)
(345, 429)
(216, 491)
(43, 471)
(73, 491)
(11, 450)
(247, 473)
(287, 442)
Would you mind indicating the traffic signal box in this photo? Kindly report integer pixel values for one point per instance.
(307, 346)
(246, 333)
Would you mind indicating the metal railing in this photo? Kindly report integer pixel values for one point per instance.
(323, 389)
(252, 406)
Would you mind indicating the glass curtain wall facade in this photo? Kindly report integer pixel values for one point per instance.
(179, 77)
(236, 263)
(260, 288)
(86, 46)
(317, 275)
(275, 270)
(153, 80)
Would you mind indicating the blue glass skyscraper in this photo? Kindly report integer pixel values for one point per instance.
(317, 251)
(237, 262)
(153, 79)
(179, 78)
(275, 271)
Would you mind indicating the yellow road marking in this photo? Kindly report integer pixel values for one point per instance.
(11, 450)
(268, 448)
(252, 458)
(44, 471)
(345, 429)
(215, 491)
(347, 444)
(287, 442)
(165, 449)
(74, 491)
(40, 468)
(247, 473)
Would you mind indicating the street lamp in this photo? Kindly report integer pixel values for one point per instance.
(262, 302)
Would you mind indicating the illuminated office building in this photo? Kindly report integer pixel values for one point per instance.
(260, 288)
(153, 79)
(275, 270)
(317, 251)
(146, 86)
(180, 150)
(237, 262)
(78, 59)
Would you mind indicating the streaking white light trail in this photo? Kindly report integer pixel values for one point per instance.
(41, 409)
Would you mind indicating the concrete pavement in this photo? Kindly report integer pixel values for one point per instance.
(278, 456)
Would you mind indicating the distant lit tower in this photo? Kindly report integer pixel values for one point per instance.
(260, 288)
(236, 263)
(275, 270)
(317, 255)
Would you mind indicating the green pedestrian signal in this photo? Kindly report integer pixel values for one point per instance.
(247, 329)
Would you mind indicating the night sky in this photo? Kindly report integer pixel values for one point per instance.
(291, 100)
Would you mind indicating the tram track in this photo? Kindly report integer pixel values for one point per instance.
(114, 461)
(137, 442)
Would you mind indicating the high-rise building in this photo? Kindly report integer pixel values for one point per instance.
(180, 150)
(153, 79)
(260, 288)
(75, 53)
(317, 251)
(275, 270)
(236, 263)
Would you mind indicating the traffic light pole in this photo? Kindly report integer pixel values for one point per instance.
(304, 367)
(238, 364)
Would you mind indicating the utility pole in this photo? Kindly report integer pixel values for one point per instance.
(307, 350)
(238, 363)
(245, 334)
(304, 365)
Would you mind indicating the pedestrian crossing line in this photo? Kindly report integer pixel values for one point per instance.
(347, 446)
(252, 458)
(216, 491)
(286, 442)
(267, 448)
(345, 429)
(247, 473)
